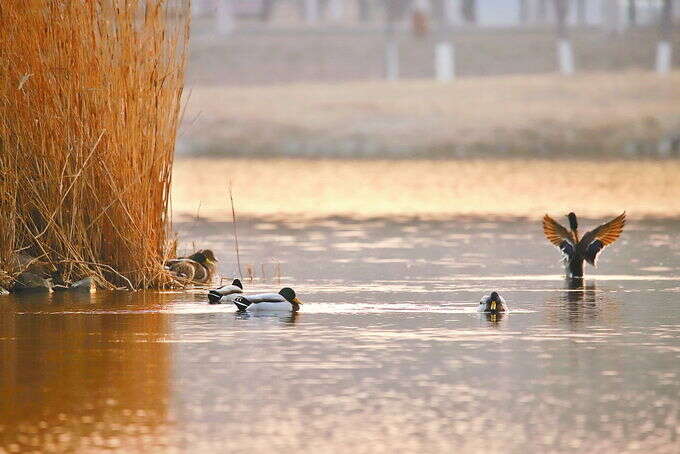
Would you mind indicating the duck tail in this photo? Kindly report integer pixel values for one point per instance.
(214, 297)
(241, 303)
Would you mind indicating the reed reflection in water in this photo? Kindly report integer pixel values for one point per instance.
(82, 381)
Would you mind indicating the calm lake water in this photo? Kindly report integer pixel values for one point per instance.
(387, 355)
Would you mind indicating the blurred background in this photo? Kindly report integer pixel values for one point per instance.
(378, 84)
(391, 161)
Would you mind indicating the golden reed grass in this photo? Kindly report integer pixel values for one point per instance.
(89, 110)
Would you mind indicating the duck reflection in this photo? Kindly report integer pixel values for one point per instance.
(283, 317)
(494, 320)
(582, 302)
(579, 291)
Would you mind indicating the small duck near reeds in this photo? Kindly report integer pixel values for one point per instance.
(492, 304)
(576, 250)
(34, 275)
(198, 267)
(285, 300)
(226, 293)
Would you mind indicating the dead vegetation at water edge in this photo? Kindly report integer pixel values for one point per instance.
(89, 108)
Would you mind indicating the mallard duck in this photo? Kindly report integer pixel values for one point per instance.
(576, 250)
(199, 267)
(285, 300)
(229, 291)
(493, 304)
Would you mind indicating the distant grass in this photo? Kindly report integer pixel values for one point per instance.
(428, 188)
(89, 109)
(588, 114)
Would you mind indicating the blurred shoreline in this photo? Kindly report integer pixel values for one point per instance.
(629, 114)
(308, 189)
(262, 55)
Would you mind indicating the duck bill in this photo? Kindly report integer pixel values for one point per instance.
(297, 301)
(494, 307)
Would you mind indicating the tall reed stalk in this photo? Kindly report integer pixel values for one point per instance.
(89, 110)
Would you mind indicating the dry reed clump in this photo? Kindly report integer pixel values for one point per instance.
(89, 109)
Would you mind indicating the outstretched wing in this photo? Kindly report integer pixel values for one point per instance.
(558, 235)
(604, 235)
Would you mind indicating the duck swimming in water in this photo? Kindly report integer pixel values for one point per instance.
(493, 304)
(576, 250)
(285, 300)
(226, 293)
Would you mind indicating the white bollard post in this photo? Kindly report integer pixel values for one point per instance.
(392, 60)
(335, 9)
(612, 18)
(452, 12)
(532, 11)
(225, 17)
(444, 61)
(664, 53)
(565, 57)
(311, 11)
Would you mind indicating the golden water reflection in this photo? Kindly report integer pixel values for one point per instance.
(78, 381)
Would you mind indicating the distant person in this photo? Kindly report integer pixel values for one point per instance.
(419, 18)
(469, 11)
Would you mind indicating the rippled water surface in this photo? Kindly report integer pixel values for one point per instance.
(387, 354)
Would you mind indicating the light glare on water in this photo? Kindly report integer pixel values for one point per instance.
(387, 355)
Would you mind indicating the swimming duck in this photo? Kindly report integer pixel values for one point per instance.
(493, 304)
(285, 300)
(199, 267)
(229, 291)
(576, 250)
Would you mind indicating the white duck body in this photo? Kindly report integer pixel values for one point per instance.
(270, 302)
(226, 290)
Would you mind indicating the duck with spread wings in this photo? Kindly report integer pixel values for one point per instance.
(575, 249)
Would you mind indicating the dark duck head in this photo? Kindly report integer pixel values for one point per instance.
(573, 225)
(290, 296)
(204, 257)
(492, 304)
